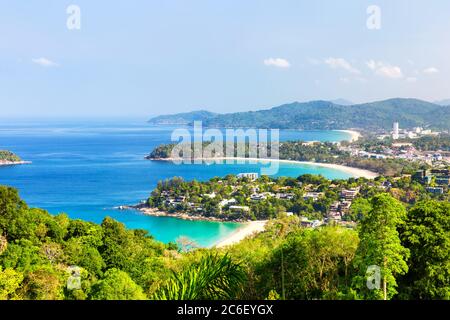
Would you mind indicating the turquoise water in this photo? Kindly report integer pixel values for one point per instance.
(85, 169)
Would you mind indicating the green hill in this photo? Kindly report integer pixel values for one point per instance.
(6, 155)
(322, 115)
(182, 118)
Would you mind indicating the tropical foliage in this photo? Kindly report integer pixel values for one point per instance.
(53, 257)
(8, 156)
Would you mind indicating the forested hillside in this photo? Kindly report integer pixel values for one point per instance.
(53, 257)
(324, 115)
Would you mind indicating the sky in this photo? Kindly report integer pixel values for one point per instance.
(144, 58)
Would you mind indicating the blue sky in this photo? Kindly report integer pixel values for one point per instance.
(141, 58)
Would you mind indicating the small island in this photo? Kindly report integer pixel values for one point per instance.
(7, 158)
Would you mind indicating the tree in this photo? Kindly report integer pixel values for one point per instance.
(116, 285)
(42, 284)
(427, 235)
(358, 210)
(213, 278)
(84, 255)
(315, 263)
(380, 246)
(9, 282)
(13, 215)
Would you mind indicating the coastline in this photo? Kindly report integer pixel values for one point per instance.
(247, 229)
(155, 212)
(354, 135)
(355, 172)
(13, 163)
(250, 228)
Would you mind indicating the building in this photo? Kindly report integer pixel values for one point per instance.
(311, 224)
(239, 209)
(227, 202)
(180, 199)
(258, 196)
(441, 172)
(285, 196)
(349, 195)
(251, 176)
(437, 157)
(441, 177)
(210, 195)
(435, 190)
(396, 131)
(422, 176)
(443, 181)
(313, 195)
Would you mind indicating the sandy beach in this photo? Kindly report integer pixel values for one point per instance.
(355, 172)
(355, 135)
(248, 229)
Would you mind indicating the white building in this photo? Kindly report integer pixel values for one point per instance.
(227, 202)
(239, 209)
(252, 176)
(396, 131)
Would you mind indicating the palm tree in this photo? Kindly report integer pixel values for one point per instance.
(213, 278)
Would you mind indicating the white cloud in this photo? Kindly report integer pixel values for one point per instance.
(430, 70)
(277, 62)
(339, 63)
(385, 70)
(44, 62)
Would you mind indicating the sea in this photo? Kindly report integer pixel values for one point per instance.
(87, 168)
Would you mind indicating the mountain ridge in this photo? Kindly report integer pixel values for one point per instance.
(182, 118)
(445, 102)
(326, 115)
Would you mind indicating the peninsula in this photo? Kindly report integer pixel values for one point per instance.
(7, 158)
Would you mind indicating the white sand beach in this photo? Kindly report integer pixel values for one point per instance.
(248, 229)
(355, 135)
(355, 172)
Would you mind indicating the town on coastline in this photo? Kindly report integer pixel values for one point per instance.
(411, 164)
(317, 200)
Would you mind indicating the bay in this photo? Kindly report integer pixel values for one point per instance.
(86, 168)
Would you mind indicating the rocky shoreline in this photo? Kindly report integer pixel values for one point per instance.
(155, 212)
(247, 229)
